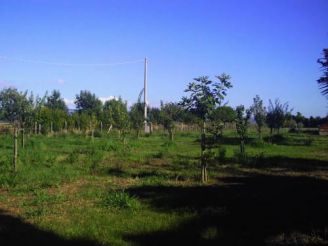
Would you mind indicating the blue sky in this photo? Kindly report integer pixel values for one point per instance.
(268, 47)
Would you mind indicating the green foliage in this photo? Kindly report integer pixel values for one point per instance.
(15, 106)
(116, 114)
(205, 95)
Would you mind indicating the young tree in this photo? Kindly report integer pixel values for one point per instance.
(204, 97)
(323, 80)
(118, 115)
(277, 115)
(242, 122)
(169, 114)
(259, 113)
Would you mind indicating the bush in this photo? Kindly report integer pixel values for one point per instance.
(121, 200)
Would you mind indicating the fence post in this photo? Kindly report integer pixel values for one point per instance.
(15, 149)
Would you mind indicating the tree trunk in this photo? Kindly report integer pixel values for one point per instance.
(202, 159)
(101, 126)
(242, 147)
(15, 150)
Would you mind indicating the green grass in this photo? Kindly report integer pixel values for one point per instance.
(148, 191)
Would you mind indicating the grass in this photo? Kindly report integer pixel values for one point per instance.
(71, 191)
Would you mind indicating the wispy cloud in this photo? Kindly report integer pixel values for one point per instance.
(60, 81)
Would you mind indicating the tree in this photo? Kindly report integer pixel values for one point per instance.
(15, 106)
(259, 113)
(137, 117)
(204, 97)
(86, 102)
(323, 80)
(219, 118)
(169, 114)
(242, 122)
(117, 113)
(55, 102)
(277, 115)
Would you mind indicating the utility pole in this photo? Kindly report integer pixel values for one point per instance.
(145, 97)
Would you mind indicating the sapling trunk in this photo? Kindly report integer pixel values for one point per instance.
(203, 160)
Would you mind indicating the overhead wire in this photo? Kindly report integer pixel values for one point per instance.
(10, 59)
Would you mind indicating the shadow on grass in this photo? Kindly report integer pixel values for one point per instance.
(245, 211)
(14, 231)
(287, 163)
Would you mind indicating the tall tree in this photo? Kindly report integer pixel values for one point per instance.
(87, 102)
(259, 113)
(277, 115)
(204, 96)
(54, 101)
(323, 80)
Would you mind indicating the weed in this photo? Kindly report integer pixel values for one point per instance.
(121, 200)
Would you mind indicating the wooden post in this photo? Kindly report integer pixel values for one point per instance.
(101, 126)
(15, 149)
(39, 128)
(51, 127)
(65, 126)
(23, 138)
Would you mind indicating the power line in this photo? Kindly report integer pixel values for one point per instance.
(10, 59)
